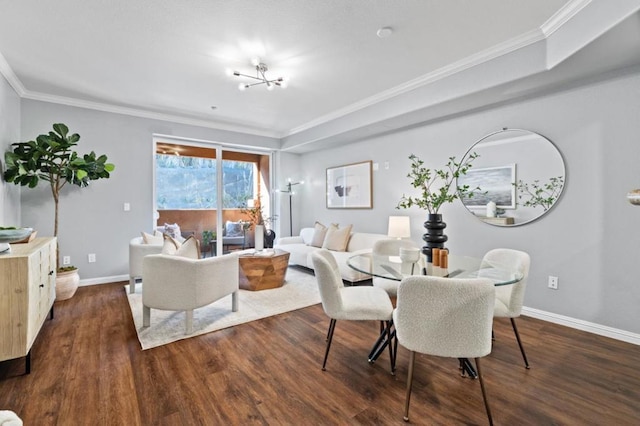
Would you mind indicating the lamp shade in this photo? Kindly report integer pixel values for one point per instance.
(399, 227)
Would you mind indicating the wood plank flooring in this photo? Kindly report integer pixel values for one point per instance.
(88, 369)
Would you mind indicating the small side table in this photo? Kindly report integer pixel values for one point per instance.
(264, 270)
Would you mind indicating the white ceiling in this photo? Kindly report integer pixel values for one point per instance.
(167, 58)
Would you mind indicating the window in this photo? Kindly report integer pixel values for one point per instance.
(184, 182)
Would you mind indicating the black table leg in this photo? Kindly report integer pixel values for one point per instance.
(381, 343)
(467, 369)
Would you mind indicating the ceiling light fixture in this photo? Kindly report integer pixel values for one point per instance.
(261, 77)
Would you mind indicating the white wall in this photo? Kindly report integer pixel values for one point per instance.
(92, 219)
(9, 133)
(590, 239)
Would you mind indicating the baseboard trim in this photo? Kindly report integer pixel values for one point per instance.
(590, 327)
(104, 280)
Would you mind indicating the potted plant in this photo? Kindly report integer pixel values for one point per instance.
(256, 217)
(51, 158)
(436, 189)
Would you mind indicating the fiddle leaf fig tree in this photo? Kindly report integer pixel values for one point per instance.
(51, 158)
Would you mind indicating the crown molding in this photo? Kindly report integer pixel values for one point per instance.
(567, 12)
(147, 114)
(563, 15)
(11, 77)
(469, 62)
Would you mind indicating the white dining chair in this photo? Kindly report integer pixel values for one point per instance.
(510, 298)
(389, 247)
(357, 303)
(445, 317)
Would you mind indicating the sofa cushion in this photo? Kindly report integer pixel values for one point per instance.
(190, 248)
(319, 233)
(337, 238)
(233, 229)
(299, 254)
(155, 238)
(171, 245)
(173, 230)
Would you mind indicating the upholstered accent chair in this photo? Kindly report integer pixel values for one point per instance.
(389, 247)
(359, 303)
(510, 298)
(176, 283)
(137, 251)
(445, 317)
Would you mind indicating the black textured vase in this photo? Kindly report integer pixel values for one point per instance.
(434, 237)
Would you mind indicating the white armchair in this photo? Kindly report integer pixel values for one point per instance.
(137, 251)
(176, 283)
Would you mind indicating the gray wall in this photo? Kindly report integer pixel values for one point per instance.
(9, 133)
(92, 219)
(590, 238)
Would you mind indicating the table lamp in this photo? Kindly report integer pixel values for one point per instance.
(399, 227)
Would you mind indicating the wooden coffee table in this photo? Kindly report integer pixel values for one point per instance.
(264, 270)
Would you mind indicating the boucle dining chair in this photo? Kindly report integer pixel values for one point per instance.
(359, 303)
(446, 317)
(390, 247)
(509, 298)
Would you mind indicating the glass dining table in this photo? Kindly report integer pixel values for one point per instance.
(394, 268)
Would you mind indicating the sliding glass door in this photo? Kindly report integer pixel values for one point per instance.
(218, 195)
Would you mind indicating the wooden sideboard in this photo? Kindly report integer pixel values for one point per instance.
(27, 293)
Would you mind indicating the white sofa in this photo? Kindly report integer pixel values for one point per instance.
(300, 249)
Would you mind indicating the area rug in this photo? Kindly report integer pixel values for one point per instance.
(299, 291)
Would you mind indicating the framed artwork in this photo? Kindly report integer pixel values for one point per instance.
(350, 186)
(496, 184)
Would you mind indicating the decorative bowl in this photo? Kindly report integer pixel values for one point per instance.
(11, 235)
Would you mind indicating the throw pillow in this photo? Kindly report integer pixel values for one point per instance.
(170, 245)
(155, 238)
(173, 230)
(233, 229)
(319, 233)
(337, 239)
(190, 248)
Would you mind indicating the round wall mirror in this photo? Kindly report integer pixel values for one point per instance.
(516, 178)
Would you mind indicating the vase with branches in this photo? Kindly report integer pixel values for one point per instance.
(437, 187)
(51, 158)
(257, 217)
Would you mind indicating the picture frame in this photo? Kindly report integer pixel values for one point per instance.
(350, 186)
(496, 184)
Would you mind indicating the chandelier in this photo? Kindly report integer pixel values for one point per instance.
(260, 77)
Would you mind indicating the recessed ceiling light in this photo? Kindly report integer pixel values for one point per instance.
(384, 32)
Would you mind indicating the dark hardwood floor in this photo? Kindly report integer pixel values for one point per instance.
(88, 369)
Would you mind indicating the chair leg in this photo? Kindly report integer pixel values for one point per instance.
(332, 327)
(515, 330)
(146, 316)
(189, 326)
(132, 285)
(412, 360)
(234, 301)
(484, 392)
(392, 355)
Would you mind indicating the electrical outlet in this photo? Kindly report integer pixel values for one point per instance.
(553, 282)
(66, 260)
(127, 207)
(91, 257)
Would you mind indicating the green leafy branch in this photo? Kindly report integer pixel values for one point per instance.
(436, 185)
(537, 194)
